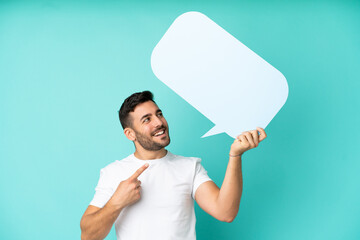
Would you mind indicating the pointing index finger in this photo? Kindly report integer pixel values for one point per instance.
(139, 171)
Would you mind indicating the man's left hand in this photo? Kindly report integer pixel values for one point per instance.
(246, 141)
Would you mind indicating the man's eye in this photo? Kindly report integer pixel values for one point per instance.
(146, 119)
(160, 114)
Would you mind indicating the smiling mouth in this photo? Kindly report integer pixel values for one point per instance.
(160, 133)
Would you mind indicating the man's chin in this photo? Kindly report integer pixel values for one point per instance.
(164, 141)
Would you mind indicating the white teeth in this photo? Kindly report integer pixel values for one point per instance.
(159, 133)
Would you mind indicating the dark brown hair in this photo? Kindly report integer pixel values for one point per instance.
(129, 105)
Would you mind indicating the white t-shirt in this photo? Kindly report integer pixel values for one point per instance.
(166, 208)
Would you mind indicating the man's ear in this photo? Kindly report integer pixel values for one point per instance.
(130, 134)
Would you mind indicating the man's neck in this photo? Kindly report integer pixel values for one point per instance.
(150, 155)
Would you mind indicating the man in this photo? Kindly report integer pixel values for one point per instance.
(150, 194)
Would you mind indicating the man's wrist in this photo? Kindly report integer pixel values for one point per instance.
(234, 155)
(115, 205)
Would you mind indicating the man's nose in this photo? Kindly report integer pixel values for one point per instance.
(157, 122)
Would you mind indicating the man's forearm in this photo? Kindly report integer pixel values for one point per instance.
(230, 192)
(97, 225)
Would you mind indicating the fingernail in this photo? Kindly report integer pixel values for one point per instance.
(146, 164)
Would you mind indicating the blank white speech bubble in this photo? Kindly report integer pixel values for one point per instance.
(218, 75)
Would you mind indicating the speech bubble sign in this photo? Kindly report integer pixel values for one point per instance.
(218, 75)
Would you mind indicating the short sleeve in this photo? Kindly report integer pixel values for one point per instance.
(200, 177)
(103, 190)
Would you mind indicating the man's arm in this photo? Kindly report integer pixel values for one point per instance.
(96, 222)
(223, 203)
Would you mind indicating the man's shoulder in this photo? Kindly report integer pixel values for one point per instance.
(180, 158)
(116, 165)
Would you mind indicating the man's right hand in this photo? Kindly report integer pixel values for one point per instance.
(128, 191)
(96, 222)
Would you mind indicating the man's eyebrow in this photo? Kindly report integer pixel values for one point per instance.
(145, 116)
(149, 114)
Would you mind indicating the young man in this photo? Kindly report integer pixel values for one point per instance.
(150, 194)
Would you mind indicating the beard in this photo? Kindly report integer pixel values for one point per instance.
(148, 144)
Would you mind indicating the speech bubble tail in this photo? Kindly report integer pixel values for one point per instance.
(213, 131)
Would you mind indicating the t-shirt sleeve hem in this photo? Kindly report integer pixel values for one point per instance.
(99, 204)
(198, 185)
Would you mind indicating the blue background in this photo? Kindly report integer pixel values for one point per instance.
(66, 67)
